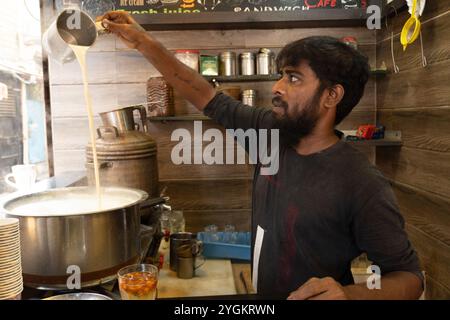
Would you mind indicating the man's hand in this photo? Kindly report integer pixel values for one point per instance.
(124, 26)
(319, 289)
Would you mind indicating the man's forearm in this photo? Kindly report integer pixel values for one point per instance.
(394, 286)
(189, 83)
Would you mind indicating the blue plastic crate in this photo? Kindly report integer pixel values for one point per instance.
(239, 250)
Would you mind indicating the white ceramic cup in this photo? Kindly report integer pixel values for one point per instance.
(24, 176)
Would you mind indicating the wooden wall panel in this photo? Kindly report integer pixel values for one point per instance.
(209, 194)
(422, 128)
(417, 102)
(101, 69)
(72, 133)
(435, 290)
(131, 94)
(167, 170)
(68, 100)
(226, 39)
(69, 160)
(357, 118)
(415, 88)
(198, 219)
(427, 170)
(434, 255)
(395, 23)
(132, 67)
(436, 38)
(425, 211)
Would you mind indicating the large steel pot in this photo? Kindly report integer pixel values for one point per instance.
(60, 228)
(79, 296)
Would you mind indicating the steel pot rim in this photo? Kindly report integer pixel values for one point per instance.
(142, 196)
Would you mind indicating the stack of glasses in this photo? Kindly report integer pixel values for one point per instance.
(11, 282)
(212, 234)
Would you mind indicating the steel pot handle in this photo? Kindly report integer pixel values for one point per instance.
(143, 114)
(153, 202)
(146, 236)
(107, 129)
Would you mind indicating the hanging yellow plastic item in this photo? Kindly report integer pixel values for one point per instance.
(408, 35)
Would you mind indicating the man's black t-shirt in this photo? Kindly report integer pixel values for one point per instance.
(319, 211)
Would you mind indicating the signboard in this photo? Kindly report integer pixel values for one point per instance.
(170, 7)
(182, 14)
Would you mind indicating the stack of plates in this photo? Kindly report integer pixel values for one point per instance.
(11, 283)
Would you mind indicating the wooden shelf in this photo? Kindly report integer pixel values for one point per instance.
(378, 72)
(187, 117)
(253, 20)
(391, 139)
(256, 77)
(272, 77)
(324, 18)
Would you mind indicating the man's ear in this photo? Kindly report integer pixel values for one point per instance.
(333, 96)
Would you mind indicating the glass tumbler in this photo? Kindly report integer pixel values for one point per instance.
(138, 282)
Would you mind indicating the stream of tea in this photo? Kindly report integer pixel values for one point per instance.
(80, 53)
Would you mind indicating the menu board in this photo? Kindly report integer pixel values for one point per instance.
(185, 7)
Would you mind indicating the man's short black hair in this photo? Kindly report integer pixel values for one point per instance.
(334, 62)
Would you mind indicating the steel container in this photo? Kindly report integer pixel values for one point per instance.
(247, 63)
(127, 157)
(97, 243)
(265, 63)
(227, 65)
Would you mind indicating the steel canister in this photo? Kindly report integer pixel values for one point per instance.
(265, 63)
(247, 63)
(249, 97)
(227, 66)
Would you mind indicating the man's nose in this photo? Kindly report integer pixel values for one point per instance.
(278, 88)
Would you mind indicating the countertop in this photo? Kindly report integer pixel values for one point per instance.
(216, 277)
(213, 278)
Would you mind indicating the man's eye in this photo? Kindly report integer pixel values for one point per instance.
(293, 78)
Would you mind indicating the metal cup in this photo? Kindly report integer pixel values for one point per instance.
(187, 240)
(123, 119)
(71, 27)
(186, 267)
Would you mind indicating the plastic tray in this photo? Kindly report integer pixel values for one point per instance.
(239, 250)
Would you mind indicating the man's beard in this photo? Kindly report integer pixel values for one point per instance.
(293, 129)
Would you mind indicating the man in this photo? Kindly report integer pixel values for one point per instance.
(326, 204)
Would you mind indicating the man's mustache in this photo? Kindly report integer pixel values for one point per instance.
(278, 102)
